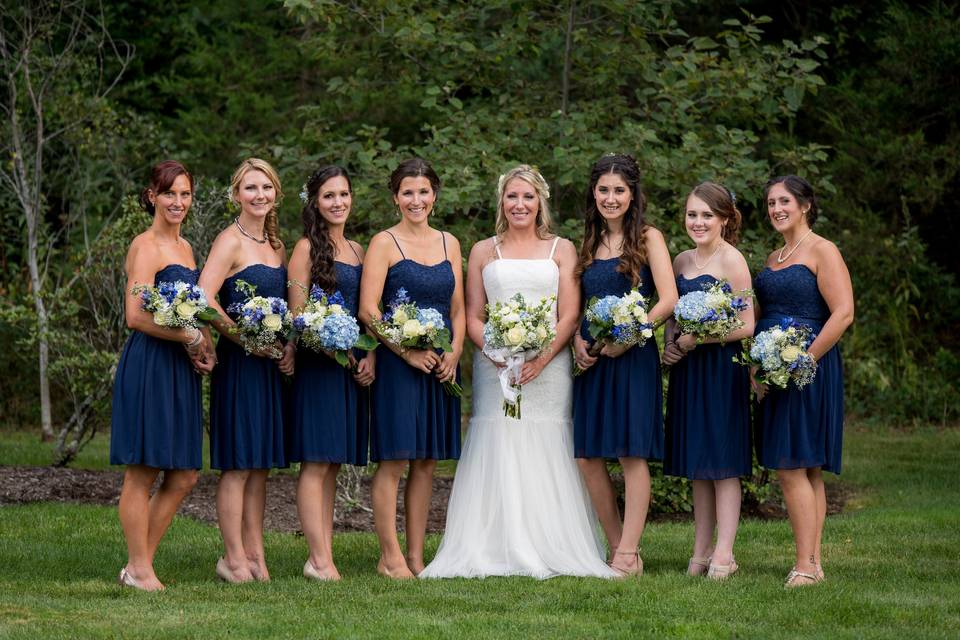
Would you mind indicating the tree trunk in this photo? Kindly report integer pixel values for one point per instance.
(567, 54)
(43, 344)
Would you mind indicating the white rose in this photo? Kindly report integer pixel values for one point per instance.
(186, 310)
(790, 353)
(163, 318)
(639, 313)
(541, 332)
(621, 317)
(400, 317)
(511, 318)
(515, 336)
(646, 333)
(320, 311)
(411, 328)
(335, 310)
(272, 322)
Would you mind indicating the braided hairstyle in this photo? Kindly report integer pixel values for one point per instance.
(634, 255)
(271, 225)
(317, 232)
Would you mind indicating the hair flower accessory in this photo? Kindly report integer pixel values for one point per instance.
(304, 194)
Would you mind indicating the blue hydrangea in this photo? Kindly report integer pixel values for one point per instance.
(692, 306)
(339, 332)
(428, 315)
(602, 309)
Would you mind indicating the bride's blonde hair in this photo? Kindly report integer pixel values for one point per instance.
(532, 177)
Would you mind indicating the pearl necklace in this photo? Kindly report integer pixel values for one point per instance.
(236, 221)
(696, 252)
(783, 258)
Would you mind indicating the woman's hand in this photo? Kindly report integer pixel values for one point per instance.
(686, 342)
(446, 371)
(581, 353)
(672, 354)
(614, 350)
(287, 359)
(421, 359)
(202, 357)
(759, 388)
(365, 372)
(531, 369)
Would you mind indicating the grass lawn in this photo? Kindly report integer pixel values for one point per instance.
(891, 563)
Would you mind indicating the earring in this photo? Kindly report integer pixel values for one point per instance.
(396, 208)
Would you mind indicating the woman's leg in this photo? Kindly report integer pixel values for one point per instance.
(728, 518)
(230, 492)
(705, 521)
(254, 504)
(604, 498)
(316, 516)
(636, 476)
(417, 505)
(383, 490)
(816, 481)
(177, 485)
(134, 510)
(802, 508)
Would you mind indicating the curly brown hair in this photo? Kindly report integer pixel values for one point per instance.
(634, 255)
(315, 229)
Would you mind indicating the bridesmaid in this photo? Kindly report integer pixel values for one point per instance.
(617, 400)
(157, 419)
(329, 413)
(247, 394)
(708, 400)
(413, 418)
(800, 432)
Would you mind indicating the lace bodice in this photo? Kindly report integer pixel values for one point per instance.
(269, 281)
(791, 292)
(601, 278)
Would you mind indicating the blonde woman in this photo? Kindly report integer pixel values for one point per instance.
(247, 395)
(519, 506)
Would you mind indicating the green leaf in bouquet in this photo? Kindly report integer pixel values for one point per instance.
(208, 314)
(366, 342)
(341, 357)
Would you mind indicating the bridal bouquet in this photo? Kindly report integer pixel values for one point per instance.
(780, 353)
(711, 313)
(325, 325)
(514, 333)
(176, 304)
(410, 327)
(261, 321)
(617, 320)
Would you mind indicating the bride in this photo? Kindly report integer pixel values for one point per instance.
(519, 505)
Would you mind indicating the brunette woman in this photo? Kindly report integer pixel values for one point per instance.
(708, 403)
(800, 431)
(157, 419)
(414, 422)
(329, 403)
(247, 394)
(617, 400)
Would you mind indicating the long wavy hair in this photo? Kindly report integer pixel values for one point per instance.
(532, 177)
(271, 225)
(162, 176)
(634, 254)
(317, 231)
(723, 205)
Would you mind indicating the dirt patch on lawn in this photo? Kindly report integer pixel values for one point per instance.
(20, 485)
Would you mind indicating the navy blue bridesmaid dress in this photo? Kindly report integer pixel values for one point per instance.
(247, 393)
(157, 417)
(412, 416)
(799, 428)
(617, 403)
(329, 411)
(708, 409)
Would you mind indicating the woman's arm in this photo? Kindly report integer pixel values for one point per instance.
(833, 280)
(219, 263)
(476, 295)
(298, 276)
(658, 257)
(447, 369)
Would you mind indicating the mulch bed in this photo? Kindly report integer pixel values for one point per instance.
(20, 485)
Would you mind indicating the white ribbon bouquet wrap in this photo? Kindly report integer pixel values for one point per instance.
(514, 333)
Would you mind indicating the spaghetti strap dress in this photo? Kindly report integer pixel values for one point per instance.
(617, 403)
(412, 416)
(329, 411)
(799, 428)
(247, 392)
(157, 416)
(708, 409)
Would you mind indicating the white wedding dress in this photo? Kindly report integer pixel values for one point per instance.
(519, 505)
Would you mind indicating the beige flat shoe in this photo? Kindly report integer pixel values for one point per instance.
(698, 566)
(636, 570)
(800, 579)
(722, 571)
